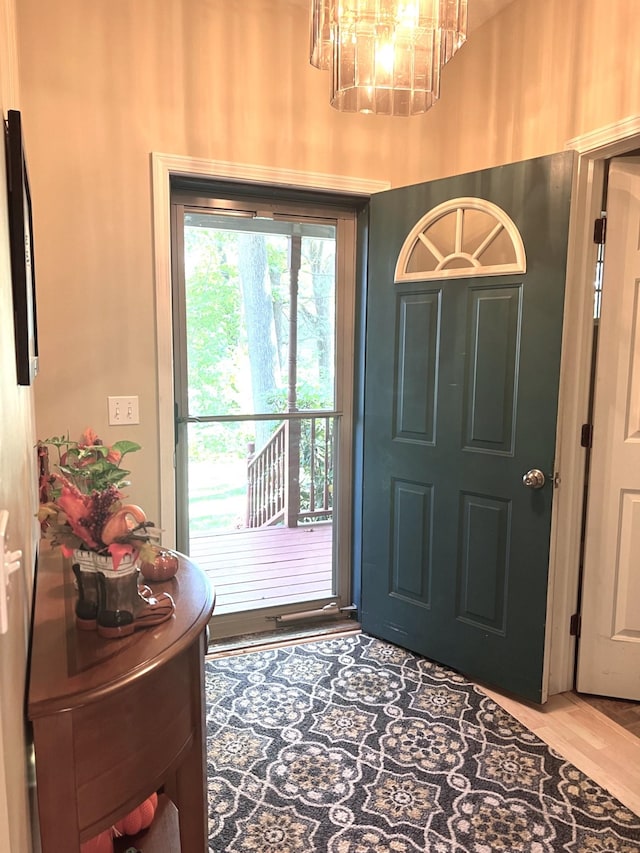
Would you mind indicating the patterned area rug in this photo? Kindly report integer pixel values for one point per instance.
(353, 745)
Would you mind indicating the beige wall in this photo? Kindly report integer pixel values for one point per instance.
(104, 84)
(540, 73)
(18, 494)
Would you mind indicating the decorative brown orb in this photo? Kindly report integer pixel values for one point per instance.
(164, 566)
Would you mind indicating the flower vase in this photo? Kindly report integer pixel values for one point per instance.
(85, 568)
(110, 600)
(122, 608)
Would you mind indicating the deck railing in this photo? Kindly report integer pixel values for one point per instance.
(290, 480)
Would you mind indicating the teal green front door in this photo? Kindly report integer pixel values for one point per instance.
(460, 402)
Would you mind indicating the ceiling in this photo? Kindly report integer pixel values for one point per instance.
(480, 11)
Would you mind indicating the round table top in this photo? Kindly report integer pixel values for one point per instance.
(70, 667)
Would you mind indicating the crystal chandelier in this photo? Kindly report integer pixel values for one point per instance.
(385, 56)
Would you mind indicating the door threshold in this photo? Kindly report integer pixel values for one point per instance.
(285, 636)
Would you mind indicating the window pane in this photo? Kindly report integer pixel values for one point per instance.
(260, 315)
(260, 499)
(237, 475)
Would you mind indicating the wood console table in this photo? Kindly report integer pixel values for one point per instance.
(115, 720)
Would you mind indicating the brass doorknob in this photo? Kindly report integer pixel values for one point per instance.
(533, 479)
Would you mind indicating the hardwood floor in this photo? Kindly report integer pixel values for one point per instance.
(621, 711)
(581, 733)
(266, 567)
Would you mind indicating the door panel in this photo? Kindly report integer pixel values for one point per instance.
(609, 645)
(461, 391)
(491, 387)
(417, 366)
(484, 566)
(411, 535)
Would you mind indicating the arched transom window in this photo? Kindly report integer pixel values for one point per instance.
(460, 238)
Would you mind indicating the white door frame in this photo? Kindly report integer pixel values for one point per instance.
(163, 167)
(593, 150)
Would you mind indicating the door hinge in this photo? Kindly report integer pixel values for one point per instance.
(586, 435)
(575, 625)
(600, 230)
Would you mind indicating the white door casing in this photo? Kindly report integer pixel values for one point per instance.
(594, 149)
(609, 646)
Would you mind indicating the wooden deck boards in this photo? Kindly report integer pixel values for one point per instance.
(266, 567)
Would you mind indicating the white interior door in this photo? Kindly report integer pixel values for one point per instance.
(609, 646)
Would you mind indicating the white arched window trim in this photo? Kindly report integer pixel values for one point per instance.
(419, 233)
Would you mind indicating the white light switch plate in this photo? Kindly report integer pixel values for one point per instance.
(123, 410)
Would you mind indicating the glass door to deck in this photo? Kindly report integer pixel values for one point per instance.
(260, 425)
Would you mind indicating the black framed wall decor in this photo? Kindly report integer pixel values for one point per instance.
(21, 250)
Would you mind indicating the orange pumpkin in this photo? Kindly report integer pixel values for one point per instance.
(102, 843)
(138, 819)
(164, 566)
